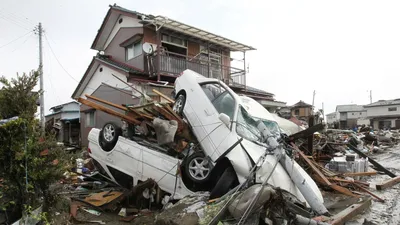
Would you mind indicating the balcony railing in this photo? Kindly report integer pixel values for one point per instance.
(172, 64)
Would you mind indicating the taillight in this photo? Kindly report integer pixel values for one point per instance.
(90, 151)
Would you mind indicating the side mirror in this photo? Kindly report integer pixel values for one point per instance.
(225, 119)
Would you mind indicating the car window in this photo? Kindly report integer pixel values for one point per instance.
(225, 103)
(212, 90)
(246, 126)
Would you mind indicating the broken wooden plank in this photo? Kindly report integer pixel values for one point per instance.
(388, 183)
(321, 177)
(106, 102)
(141, 106)
(342, 217)
(370, 173)
(170, 110)
(349, 181)
(369, 192)
(163, 96)
(109, 111)
(307, 132)
(168, 115)
(375, 163)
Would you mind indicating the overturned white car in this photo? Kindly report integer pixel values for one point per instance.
(229, 146)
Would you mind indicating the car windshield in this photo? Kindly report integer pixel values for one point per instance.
(246, 126)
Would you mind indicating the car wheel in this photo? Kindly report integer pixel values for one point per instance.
(109, 136)
(179, 104)
(197, 168)
(227, 181)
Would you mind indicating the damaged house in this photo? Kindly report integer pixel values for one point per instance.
(149, 52)
(384, 114)
(64, 121)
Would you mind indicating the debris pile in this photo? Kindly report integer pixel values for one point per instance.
(336, 160)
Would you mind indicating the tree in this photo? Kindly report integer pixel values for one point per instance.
(30, 161)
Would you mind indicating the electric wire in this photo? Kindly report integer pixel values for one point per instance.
(16, 39)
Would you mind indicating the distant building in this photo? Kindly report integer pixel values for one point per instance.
(332, 119)
(349, 115)
(384, 114)
(301, 110)
(64, 120)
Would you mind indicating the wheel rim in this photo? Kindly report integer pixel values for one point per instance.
(198, 168)
(178, 106)
(109, 132)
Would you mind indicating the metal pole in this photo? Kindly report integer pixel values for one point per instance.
(244, 67)
(42, 118)
(370, 96)
(158, 54)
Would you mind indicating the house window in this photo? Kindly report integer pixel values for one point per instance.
(392, 109)
(90, 119)
(174, 40)
(352, 114)
(133, 50)
(360, 113)
(296, 112)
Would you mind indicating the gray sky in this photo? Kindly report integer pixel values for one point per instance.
(340, 49)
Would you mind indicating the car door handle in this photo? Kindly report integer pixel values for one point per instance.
(208, 113)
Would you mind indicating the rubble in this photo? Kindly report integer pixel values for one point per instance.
(337, 160)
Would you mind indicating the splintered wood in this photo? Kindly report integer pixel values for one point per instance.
(140, 114)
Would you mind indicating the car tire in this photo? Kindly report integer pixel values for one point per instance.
(179, 104)
(197, 168)
(109, 136)
(226, 182)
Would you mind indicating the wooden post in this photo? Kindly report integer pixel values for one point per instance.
(311, 137)
(388, 183)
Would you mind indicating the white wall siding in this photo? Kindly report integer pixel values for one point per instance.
(383, 111)
(105, 76)
(73, 106)
(126, 22)
(356, 115)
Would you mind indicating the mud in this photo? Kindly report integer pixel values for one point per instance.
(389, 211)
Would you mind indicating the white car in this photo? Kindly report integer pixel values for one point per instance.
(219, 119)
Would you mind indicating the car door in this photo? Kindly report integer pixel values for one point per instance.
(219, 100)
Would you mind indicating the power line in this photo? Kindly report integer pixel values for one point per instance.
(19, 46)
(16, 39)
(58, 61)
(22, 19)
(14, 22)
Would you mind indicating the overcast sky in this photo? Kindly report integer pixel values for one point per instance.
(340, 49)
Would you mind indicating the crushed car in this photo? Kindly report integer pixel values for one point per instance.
(229, 144)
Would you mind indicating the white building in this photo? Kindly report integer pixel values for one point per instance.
(384, 114)
(332, 118)
(349, 115)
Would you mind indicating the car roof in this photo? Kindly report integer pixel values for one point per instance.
(255, 109)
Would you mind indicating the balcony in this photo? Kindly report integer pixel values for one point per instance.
(172, 64)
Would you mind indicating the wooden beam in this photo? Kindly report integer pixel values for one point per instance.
(388, 183)
(349, 181)
(321, 177)
(140, 106)
(163, 96)
(307, 132)
(342, 217)
(370, 173)
(109, 111)
(369, 192)
(107, 102)
(373, 162)
(168, 116)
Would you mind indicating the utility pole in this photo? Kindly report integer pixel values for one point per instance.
(42, 118)
(370, 96)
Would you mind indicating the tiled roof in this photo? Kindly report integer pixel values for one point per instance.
(301, 104)
(384, 102)
(258, 91)
(119, 65)
(349, 108)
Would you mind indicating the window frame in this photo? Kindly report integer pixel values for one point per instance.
(392, 109)
(90, 120)
(132, 46)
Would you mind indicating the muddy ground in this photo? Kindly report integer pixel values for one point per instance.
(389, 211)
(379, 213)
